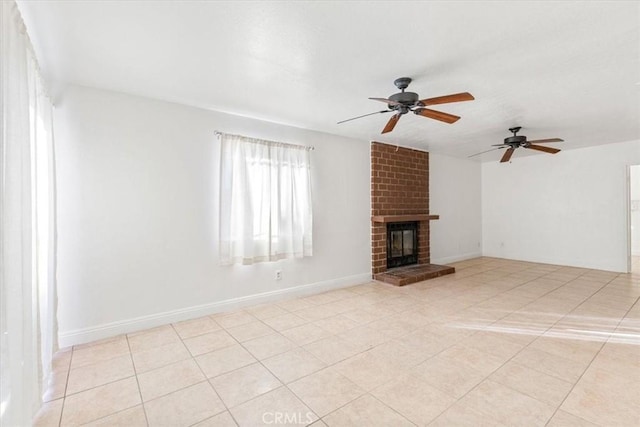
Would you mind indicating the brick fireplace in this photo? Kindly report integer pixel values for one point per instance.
(400, 194)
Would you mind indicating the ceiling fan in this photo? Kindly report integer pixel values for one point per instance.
(517, 141)
(403, 102)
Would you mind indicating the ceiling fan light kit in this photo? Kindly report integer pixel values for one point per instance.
(403, 102)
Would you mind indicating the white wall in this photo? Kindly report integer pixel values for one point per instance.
(635, 209)
(454, 193)
(567, 209)
(138, 214)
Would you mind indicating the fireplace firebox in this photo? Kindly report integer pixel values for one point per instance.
(402, 243)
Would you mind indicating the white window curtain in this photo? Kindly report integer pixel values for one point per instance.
(265, 201)
(27, 238)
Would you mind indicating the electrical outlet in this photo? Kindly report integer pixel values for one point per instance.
(278, 274)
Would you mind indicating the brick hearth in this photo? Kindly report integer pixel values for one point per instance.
(413, 273)
(400, 192)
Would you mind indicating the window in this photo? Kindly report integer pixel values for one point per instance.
(265, 201)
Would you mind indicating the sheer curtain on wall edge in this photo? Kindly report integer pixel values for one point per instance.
(265, 201)
(27, 236)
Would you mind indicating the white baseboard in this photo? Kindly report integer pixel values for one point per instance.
(602, 265)
(456, 258)
(106, 330)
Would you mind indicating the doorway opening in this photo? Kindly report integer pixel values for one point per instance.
(634, 219)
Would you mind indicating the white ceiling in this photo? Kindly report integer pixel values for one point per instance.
(558, 69)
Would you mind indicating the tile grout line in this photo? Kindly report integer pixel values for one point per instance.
(164, 366)
(136, 375)
(283, 384)
(66, 384)
(598, 352)
(364, 351)
(594, 356)
(479, 302)
(341, 406)
(206, 379)
(368, 392)
(135, 372)
(257, 361)
(521, 350)
(457, 343)
(114, 381)
(96, 386)
(458, 399)
(395, 314)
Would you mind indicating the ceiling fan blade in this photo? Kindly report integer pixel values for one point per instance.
(437, 115)
(391, 123)
(365, 115)
(543, 141)
(499, 145)
(542, 148)
(482, 152)
(507, 155)
(457, 97)
(387, 101)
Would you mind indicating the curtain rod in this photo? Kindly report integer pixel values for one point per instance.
(306, 147)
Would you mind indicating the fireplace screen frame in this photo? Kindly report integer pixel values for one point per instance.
(405, 251)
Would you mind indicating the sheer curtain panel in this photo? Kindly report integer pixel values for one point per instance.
(27, 215)
(265, 201)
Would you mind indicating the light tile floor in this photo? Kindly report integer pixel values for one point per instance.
(499, 343)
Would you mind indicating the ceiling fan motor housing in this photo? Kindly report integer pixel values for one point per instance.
(515, 140)
(406, 98)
